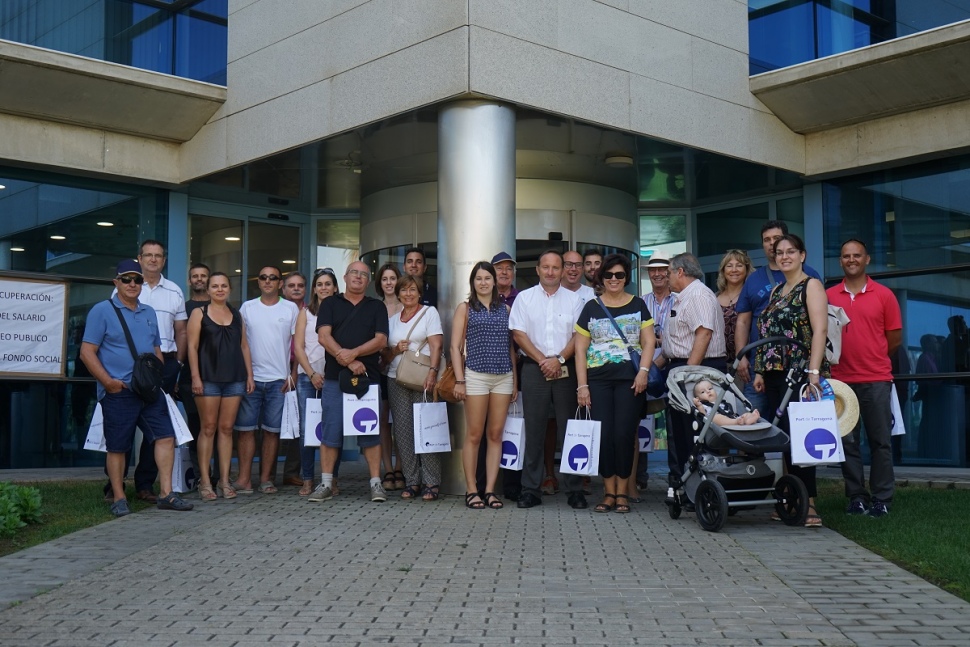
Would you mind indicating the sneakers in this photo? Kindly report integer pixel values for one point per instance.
(320, 494)
(120, 508)
(173, 502)
(857, 507)
(377, 493)
(877, 509)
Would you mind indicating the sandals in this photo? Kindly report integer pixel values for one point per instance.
(812, 520)
(410, 492)
(206, 493)
(242, 489)
(622, 508)
(493, 502)
(471, 503)
(226, 491)
(430, 493)
(399, 481)
(605, 507)
(306, 489)
(267, 487)
(388, 482)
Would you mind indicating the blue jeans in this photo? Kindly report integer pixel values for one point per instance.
(304, 390)
(758, 400)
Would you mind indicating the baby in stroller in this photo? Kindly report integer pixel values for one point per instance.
(705, 394)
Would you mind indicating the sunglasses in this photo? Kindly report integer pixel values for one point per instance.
(268, 277)
(128, 279)
(614, 275)
(323, 270)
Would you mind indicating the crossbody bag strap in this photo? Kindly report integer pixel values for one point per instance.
(124, 326)
(424, 309)
(771, 278)
(616, 326)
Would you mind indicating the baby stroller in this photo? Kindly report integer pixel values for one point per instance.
(726, 471)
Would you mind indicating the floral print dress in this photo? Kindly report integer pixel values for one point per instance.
(786, 316)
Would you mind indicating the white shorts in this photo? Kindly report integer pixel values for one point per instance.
(485, 383)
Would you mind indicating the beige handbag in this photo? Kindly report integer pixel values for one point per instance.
(412, 371)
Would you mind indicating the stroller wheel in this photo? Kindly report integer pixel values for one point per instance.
(712, 505)
(792, 500)
(674, 510)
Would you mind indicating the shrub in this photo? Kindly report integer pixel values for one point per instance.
(19, 505)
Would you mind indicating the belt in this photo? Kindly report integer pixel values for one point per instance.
(171, 355)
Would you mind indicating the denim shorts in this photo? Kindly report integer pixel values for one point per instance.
(223, 389)
(124, 410)
(262, 409)
(332, 434)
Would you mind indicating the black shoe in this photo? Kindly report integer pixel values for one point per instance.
(577, 501)
(529, 500)
(688, 506)
(857, 507)
(513, 495)
(877, 509)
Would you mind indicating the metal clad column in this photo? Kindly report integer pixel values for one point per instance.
(476, 218)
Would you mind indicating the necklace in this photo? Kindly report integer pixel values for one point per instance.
(405, 317)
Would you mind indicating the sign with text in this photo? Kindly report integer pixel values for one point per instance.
(32, 315)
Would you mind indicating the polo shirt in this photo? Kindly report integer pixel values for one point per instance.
(103, 329)
(370, 321)
(694, 307)
(509, 299)
(755, 294)
(585, 293)
(865, 349)
(548, 320)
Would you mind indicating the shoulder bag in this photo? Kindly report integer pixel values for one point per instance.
(146, 376)
(655, 381)
(444, 390)
(413, 369)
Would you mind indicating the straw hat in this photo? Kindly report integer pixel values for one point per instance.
(846, 406)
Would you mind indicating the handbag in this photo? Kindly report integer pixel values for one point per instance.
(655, 380)
(413, 369)
(444, 390)
(146, 375)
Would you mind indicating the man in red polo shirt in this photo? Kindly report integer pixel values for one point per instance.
(872, 336)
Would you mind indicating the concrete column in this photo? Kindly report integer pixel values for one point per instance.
(476, 218)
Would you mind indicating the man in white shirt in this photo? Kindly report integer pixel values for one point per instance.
(572, 276)
(270, 322)
(294, 291)
(541, 322)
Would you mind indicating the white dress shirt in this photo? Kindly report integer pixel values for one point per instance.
(546, 319)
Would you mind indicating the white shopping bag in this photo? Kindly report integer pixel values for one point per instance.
(815, 438)
(581, 446)
(361, 416)
(183, 476)
(313, 428)
(645, 433)
(431, 432)
(513, 440)
(290, 427)
(95, 437)
(899, 427)
(182, 433)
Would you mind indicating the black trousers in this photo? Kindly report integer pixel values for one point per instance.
(680, 435)
(774, 391)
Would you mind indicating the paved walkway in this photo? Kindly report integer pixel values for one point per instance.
(274, 569)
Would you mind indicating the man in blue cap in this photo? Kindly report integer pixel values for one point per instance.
(108, 357)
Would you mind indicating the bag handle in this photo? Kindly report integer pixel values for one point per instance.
(514, 409)
(812, 397)
(616, 326)
(424, 309)
(589, 415)
(124, 326)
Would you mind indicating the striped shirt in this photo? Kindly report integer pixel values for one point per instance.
(694, 307)
(169, 305)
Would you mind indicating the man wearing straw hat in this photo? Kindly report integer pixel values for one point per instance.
(871, 337)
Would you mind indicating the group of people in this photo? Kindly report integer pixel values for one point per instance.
(562, 344)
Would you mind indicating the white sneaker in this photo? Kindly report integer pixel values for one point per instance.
(321, 493)
(377, 493)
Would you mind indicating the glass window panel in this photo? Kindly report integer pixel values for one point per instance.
(278, 175)
(735, 227)
(269, 244)
(218, 242)
(660, 232)
(780, 35)
(661, 171)
(338, 245)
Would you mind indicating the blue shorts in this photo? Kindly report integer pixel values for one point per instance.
(123, 411)
(223, 389)
(332, 434)
(262, 409)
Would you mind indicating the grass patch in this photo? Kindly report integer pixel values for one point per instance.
(66, 507)
(925, 533)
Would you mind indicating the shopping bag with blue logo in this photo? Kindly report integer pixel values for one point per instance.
(814, 430)
(431, 432)
(581, 445)
(899, 428)
(513, 439)
(360, 416)
(313, 427)
(182, 433)
(290, 426)
(645, 434)
(183, 476)
(95, 438)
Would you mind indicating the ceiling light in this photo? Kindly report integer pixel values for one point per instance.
(619, 161)
(17, 249)
(105, 223)
(233, 239)
(55, 237)
(238, 271)
(2, 187)
(289, 262)
(960, 233)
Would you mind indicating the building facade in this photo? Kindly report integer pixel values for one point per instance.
(308, 134)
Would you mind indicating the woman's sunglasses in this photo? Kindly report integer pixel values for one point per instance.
(614, 275)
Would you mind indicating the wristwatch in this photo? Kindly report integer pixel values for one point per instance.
(562, 360)
(812, 371)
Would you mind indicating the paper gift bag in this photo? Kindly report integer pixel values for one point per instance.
(513, 440)
(899, 427)
(581, 447)
(182, 433)
(290, 426)
(313, 427)
(360, 416)
(95, 437)
(431, 433)
(815, 438)
(645, 434)
(183, 476)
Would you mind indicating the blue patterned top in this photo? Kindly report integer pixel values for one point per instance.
(487, 340)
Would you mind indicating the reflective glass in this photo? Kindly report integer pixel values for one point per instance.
(218, 242)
